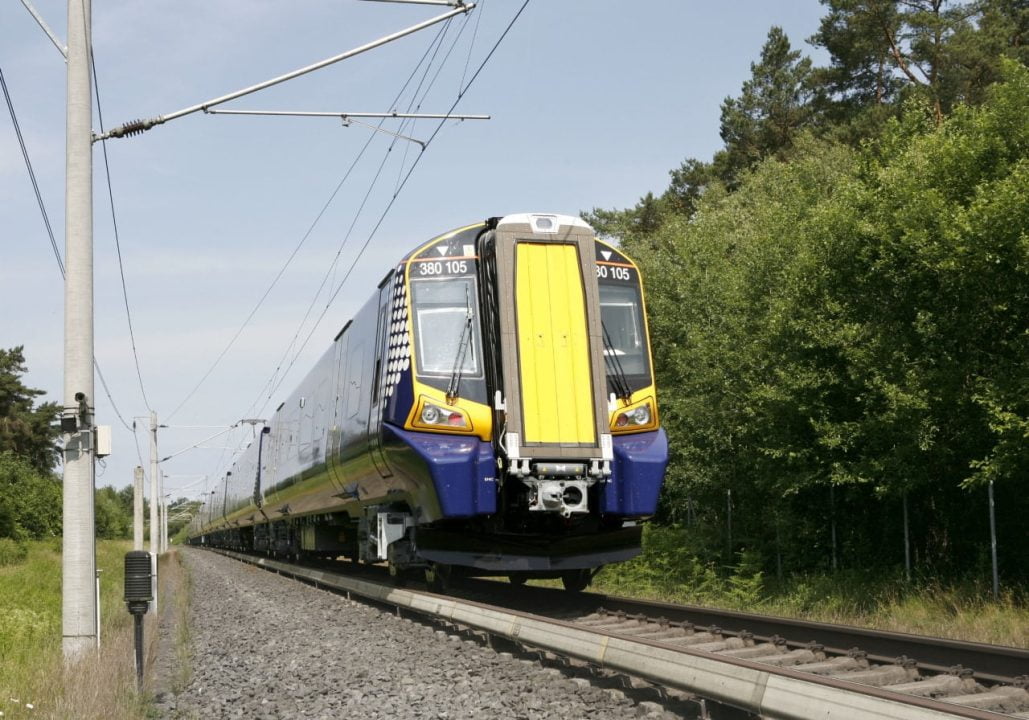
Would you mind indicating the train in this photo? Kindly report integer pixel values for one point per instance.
(489, 411)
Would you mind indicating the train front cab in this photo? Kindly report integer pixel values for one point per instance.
(532, 402)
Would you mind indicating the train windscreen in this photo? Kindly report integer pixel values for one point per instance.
(445, 326)
(622, 317)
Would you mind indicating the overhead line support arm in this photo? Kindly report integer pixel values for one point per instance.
(138, 126)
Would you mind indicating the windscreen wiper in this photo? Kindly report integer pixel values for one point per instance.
(462, 350)
(615, 373)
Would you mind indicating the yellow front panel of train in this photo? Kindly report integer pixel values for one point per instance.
(553, 346)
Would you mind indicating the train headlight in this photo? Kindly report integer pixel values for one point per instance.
(641, 415)
(633, 419)
(437, 417)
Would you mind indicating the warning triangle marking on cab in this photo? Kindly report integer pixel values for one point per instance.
(606, 254)
(442, 249)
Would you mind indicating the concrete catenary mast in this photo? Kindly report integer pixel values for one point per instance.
(78, 608)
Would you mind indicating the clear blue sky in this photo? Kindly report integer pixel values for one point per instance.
(593, 102)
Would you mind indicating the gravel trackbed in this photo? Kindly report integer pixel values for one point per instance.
(265, 646)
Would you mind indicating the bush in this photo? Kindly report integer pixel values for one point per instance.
(12, 552)
(31, 498)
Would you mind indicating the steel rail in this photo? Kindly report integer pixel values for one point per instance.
(754, 687)
(990, 663)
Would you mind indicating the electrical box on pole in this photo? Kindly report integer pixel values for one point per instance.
(102, 441)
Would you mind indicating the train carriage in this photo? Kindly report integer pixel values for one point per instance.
(490, 410)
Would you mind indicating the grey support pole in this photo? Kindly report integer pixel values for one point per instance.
(832, 522)
(78, 561)
(137, 508)
(155, 498)
(728, 519)
(993, 545)
(907, 540)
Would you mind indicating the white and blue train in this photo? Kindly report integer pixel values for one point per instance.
(491, 410)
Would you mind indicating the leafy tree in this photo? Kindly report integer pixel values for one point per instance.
(689, 182)
(854, 320)
(112, 519)
(30, 501)
(25, 430)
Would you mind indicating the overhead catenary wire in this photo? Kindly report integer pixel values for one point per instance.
(437, 43)
(50, 231)
(396, 194)
(462, 91)
(138, 126)
(117, 236)
(288, 262)
(198, 444)
(433, 48)
(471, 45)
(32, 173)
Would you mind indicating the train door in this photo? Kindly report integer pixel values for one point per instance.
(378, 396)
(335, 443)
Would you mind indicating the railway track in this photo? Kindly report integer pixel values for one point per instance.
(765, 666)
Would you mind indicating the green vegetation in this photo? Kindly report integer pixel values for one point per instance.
(838, 304)
(30, 641)
(670, 571)
(26, 431)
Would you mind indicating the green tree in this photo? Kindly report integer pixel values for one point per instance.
(858, 89)
(941, 51)
(31, 500)
(113, 521)
(773, 106)
(854, 320)
(25, 429)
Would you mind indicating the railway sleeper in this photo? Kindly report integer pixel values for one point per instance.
(755, 652)
(834, 666)
(800, 656)
(938, 686)
(1003, 699)
(882, 675)
(697, 639)
(647, 631)
(717, 646)
(661, 634)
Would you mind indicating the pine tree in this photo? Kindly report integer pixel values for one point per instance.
(773, 106)
(25, 431)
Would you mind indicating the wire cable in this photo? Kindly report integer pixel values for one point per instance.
(50, 230)
(396, 194)
(367, 196)
(436, 42)
(289, 260)
(32, 173)
(471, 45)
(117, 237)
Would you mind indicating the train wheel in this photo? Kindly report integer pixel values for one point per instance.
(437, 577)
(518, 579)
(576, 580)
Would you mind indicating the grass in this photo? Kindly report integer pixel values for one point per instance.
(177, 584)
(33, 680)
(669, 571)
